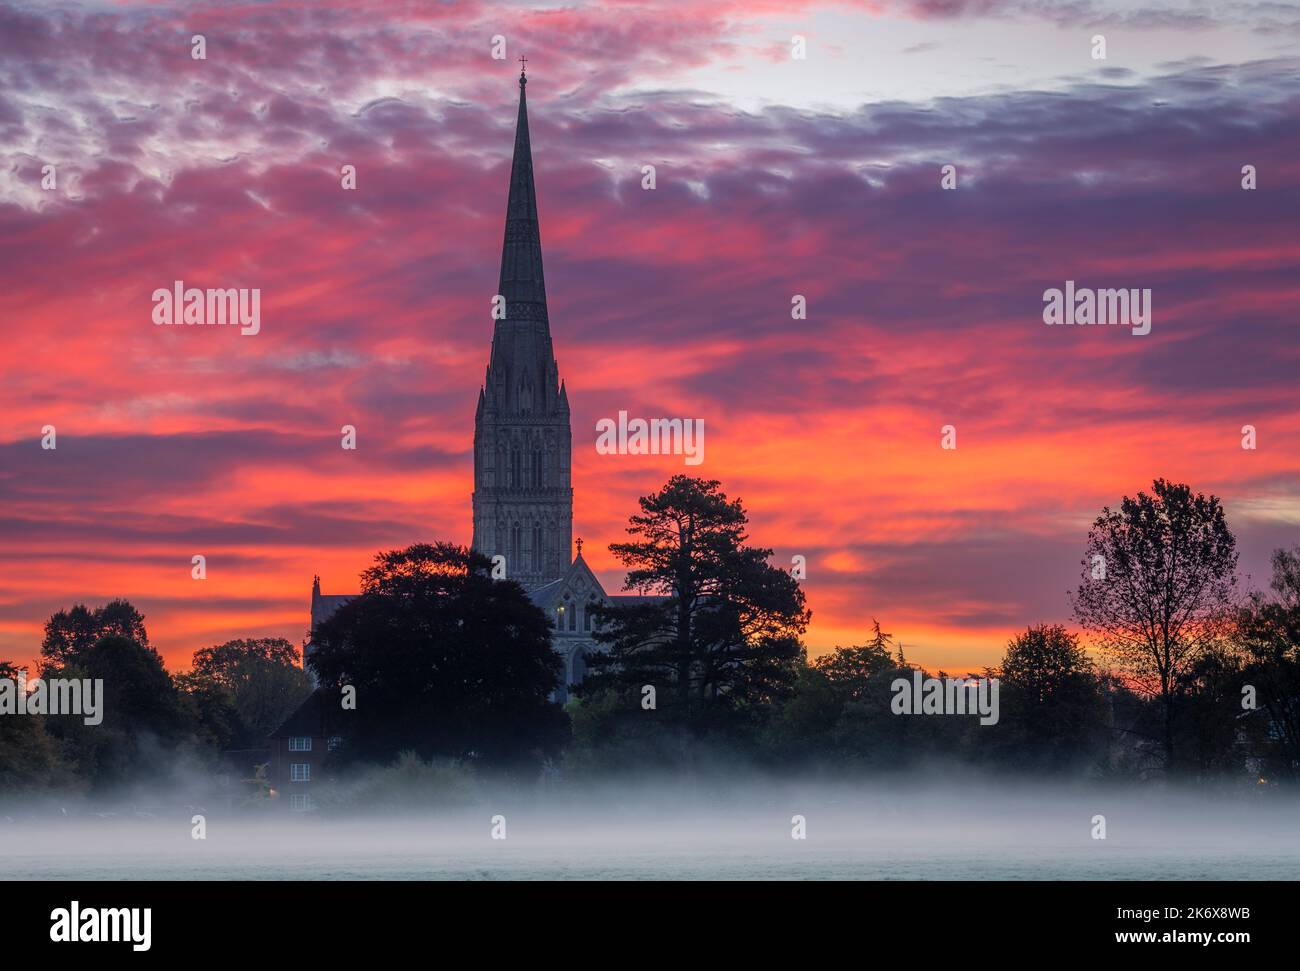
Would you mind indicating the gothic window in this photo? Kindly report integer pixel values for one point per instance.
(516, 479)
(586, 615)
(515, 553)
(537, 548)
(537, 468)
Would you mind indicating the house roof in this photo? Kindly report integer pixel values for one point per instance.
(320, 716)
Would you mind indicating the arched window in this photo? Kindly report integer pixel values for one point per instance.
(516, 476)
(515, 552)
(537, 469)
(586, 615)
(537, 548)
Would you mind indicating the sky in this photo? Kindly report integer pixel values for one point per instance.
(775, 176)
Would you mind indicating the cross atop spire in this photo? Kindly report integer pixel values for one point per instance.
(580, 546)
(522, 282)
(523, 78)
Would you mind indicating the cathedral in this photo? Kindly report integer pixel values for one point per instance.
(523, 441)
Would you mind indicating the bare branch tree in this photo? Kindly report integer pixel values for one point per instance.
(1159, 587)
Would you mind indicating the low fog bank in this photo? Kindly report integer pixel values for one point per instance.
(936, 825)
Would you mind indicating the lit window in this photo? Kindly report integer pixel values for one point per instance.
(300, 744)
(300, 772)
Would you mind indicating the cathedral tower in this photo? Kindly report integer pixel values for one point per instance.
(523, 496)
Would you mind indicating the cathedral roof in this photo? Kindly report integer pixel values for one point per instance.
(577, 580)
(324, 606)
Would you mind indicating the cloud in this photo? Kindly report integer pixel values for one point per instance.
(924, 306)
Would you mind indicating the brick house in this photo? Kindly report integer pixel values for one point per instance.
(300, 747)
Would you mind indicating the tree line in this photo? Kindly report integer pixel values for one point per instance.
(157, 726)
(1188, 679)
(1191, 680)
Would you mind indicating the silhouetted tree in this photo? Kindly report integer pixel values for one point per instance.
(71, 632)
(1269, 634)
(801, 732)
(445, 662)
(1169, 585)
(722, 638)
(263, 678)
(144, 719)
(850, 669)
(29, 757)
(210, 709)
(1137, 730)
(840, 713)
(1210, 729)
(1053, 713)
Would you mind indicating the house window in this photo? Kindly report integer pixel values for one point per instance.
(335, 743)
(300, 743)
(299, 802)
(300, 772)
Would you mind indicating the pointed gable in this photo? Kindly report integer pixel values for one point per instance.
(578, 585)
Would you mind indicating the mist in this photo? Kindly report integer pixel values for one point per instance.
(940, 824)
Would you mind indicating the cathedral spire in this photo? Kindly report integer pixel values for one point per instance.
(523, 443)
(522, 283)
(522, 375)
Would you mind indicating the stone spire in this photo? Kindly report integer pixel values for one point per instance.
(522, 375)
(522, 281)
(523, 501)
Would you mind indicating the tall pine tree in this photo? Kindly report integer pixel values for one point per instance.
(718, 632)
